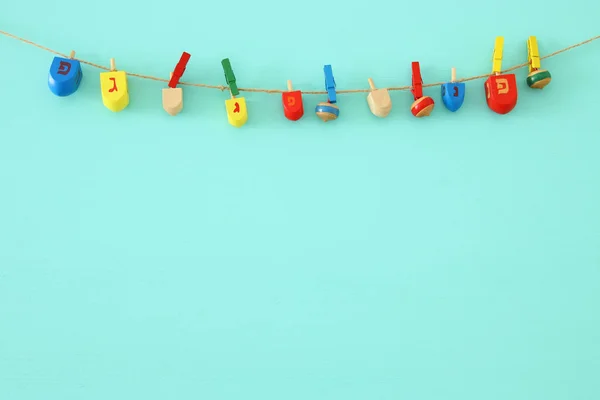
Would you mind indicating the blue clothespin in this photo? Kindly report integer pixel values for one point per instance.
(330, 84)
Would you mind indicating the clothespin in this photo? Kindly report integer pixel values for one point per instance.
(65, 75)
(237, 113)
(113, 85)
(497, 55)
(500, 89)
(538, 78)
(423, 105)
(328, 110)
(230, 77)
(330, 84)
(179, 70)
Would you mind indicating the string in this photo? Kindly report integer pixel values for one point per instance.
(273, 91)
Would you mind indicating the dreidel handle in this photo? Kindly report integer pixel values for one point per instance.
(453, 79)
(289, 86)
(371, 84)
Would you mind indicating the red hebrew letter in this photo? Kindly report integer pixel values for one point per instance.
(64, 68)
(237, 107)
(114, 88)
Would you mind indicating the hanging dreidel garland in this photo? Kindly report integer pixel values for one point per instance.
(500, 89)
(379, 100)
(113, 85)
(237, 113)
(453, 93)
(328, 110)
(423, 105)
(65, 75)
(293, 108)
(538, 78)
(172, 96)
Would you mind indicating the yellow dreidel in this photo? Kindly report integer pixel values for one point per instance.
(113, 85)
(237, 112)
(538, 78)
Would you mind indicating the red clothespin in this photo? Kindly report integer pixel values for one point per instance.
(179, 69)
(423, 105)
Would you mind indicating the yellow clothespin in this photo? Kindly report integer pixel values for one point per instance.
(497, 55)
(533, 54)
(538, 78)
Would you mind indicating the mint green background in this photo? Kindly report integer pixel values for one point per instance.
(148, 257)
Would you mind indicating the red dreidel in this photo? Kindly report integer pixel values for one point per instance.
(423, 105)
(292, 103)
(500, 89)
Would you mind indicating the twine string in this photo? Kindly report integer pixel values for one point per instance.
(274, 91)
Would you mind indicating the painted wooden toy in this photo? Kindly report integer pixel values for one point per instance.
(500, 89)
(453, 93)
(293, 109)
(538, 78)
(65, 75)
(379, 100)
(172, 96)
(328, 110)
(423, 105)
(113, 85)
(237, 112)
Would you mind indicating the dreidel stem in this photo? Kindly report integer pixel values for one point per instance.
(453, 79)
(72, 55)
(289, 86)
(371, 84)
(112, 64)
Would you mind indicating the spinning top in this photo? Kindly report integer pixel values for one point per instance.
(538, 78)
(500, 89)
(453, 93)
(328, 111)
(423, 105)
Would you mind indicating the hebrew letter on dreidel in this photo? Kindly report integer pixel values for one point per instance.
(64, 68)
(502, 86)
(114, 88)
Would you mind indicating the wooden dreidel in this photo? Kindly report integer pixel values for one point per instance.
(328, 110)
(293, 109)
(65, 75)
(453, 93)
(538, 78)
(500, 89)
(172, 97)
(237, 113)
(423, 105)
(379, 101)
(113, 85)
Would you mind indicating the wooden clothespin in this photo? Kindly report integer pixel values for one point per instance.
(172, 96)
(422, 105)
(453, 93)
(237, 113)
(500, 89)
(293, 108)
(379, 100)
(538, 78)
(113, 85)
(65, 75)
(328, 110)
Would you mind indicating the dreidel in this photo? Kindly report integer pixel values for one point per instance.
(453, 93)
(379, 100)
(500, 89)
(64, 75)
(237, 112)
(538, 78)
(172, 96)
(293, 109)
(423, 105)
(113, 85)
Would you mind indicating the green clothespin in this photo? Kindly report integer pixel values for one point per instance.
(230, 77)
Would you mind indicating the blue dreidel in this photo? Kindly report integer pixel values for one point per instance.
(453, 93)
(64, 76)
